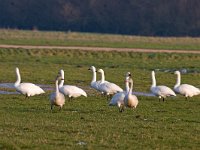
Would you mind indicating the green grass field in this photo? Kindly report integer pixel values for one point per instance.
(89, 123)
(20, 37)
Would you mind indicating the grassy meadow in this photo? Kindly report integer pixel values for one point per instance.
(89, 123)
(21, 37)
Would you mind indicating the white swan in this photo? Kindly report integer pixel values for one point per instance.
(70, 90)
(185, 89)
(130, 100)
(94, 84)
(106, 87)
(57, 98)
(28, 89)
(118, 98)
(160, 91)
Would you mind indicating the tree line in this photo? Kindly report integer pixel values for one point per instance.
(133, 17)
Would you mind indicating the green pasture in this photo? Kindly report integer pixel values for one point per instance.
(89, 123)
(21, 37)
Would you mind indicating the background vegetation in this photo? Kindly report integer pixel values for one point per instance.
(24, 37)
(135, 17)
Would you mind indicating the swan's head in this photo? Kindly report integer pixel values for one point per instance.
(128, 74)
(92, 68)
(17, 70)
(59, 77)
(177, 72)
(61, 73)
(100, 71)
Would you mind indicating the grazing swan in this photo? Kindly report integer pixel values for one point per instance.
(94, 84)
(70, 90)
(185, 89)
(130, 100)
(28, 89)
(118, 98)
(160, 91)
(106, 87)
(57, 98)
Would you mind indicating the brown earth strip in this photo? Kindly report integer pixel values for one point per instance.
(101, 49)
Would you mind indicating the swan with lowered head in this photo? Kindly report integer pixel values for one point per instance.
(27, 89)
(186, 90)
(70, 90)
(94, 84)
(130, 100)
(57, 98)
(106, 87)
(160, 91)
(118, 98)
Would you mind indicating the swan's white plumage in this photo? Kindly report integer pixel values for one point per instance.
(70, 90)
(106, 87)
(118, 98)
(57, 98)
(28, 89)
(160, 91)
(94, 84)
(130, 100)
(185, 89)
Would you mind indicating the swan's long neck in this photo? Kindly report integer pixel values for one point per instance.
(127, 86)
(62, 81)
(57, 89)
(18, 78)
(153, 80)
(178, 81)
(131, 87)
(102, 77)
(94, 77)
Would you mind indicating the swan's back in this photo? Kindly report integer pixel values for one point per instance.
(187, 90)
(110, 88)
(117, 98)
(72, 91)
(163, 91)
(29, 89)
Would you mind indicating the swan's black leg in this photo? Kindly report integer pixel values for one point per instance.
(163, 99)
(121, 108)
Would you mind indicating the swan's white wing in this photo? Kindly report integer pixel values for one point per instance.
(29, 89)
(188, 90)
(165, 91)
(110, 88)
(117, 98)
(72, 91)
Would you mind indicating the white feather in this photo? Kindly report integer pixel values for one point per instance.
(94, 84)
(185, 89)
(118, 98)
(28, 89)
(70, 90)
(57, 98)
(106, 87)
(130, 100)
(160, 91)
